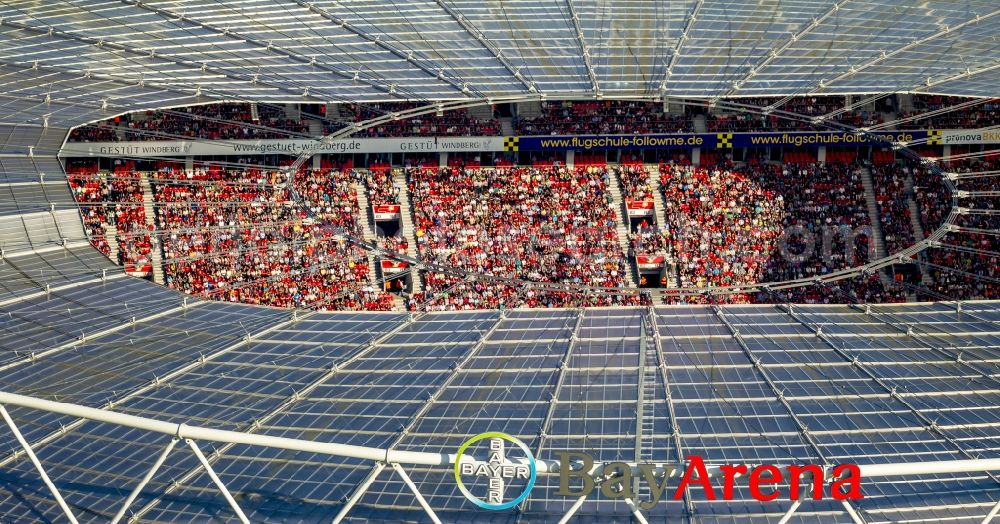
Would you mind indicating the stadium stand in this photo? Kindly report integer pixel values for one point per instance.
(894, 212)
(236, 235)
(609, 116)
(723, 224)
(541, 224)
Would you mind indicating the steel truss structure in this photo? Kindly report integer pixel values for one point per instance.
(355, 416)
(124, 401)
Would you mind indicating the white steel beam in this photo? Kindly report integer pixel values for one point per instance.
(38, 465)
(218, 482)
(778, 49)
(358, 492)
(584, 49)
(145, 480)
(902, 469)
(416, 493)
(635, 511)
(361, 350)
(992, 514)
(487, 44)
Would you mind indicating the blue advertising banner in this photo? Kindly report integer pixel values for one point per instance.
(710, 140)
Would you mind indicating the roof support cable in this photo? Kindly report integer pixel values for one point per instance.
(86, 337)
(928, 424)
(965, 249)
(109, 47)
(778, 49)
(268, 46)
(409, 56)
(487, 44)
(883, 56)
(38, 465)
(675, 430)
(360, 351)
(932, 342)
(584, 49)
(761, 369)
(675, 53)
(550, 412)
(152, 384)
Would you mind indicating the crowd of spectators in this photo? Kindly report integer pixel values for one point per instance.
(97, 132)
(455, 122)
(756, 120)
(603, 117)
(638, 184)
(893, 205)
(723, 225)
(539, 224)
(382, 191)
(223, 121)
(90, 190)
(966, 265)
(114, 200)
(236, 235)
(135, 243)
(984, 113)
(214, 122)
(826, 225)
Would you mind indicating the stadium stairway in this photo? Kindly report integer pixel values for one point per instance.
(700, 124)
(918, 230)
(507, 126)
(110, 228)
(365, 220)
(111, 231)
(621, 219)
(406, 222)
(315, 127)
(156, 257)
(876, 220)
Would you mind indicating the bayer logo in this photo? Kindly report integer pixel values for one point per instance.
(495, 470)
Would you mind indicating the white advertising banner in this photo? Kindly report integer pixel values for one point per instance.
(970, 136)
(183, 148)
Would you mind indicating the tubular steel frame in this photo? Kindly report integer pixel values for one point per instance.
(380, 457)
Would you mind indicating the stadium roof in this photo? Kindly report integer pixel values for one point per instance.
(70, 59)
(894, 384)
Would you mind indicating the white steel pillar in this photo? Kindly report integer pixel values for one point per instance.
(38, 465)
(416, 493)
(145, 480)
(218, 482)
(992, 514)
(359, 491)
